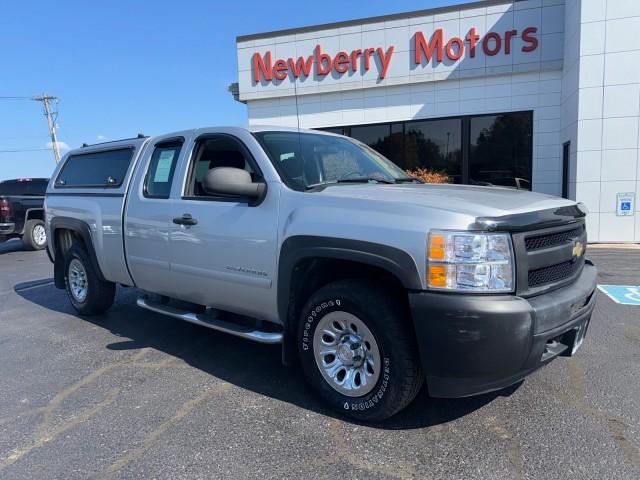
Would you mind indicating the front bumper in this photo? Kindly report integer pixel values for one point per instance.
(472, 344)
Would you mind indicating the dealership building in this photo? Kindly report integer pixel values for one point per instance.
(536, 94)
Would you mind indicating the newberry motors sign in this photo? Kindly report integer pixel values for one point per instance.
(319, 63)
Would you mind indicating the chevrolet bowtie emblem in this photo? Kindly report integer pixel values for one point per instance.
(578, 249)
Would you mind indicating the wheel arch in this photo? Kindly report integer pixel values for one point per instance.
(320, 260)
(35, 214)
(65, 232)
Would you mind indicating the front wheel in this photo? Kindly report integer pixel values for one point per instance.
(88, 294)
(358, 351)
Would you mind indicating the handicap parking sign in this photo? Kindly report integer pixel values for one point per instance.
(624, 203)
(622, 294)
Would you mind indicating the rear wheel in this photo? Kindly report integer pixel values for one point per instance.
(358, 350)
(88, 294)
(35, 235)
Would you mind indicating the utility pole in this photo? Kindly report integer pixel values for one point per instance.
(51, 120)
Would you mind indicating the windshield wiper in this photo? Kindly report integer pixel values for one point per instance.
(365, 180)
(352, 180)
(408, 180)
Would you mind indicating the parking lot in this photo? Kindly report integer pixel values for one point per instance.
(134, 394)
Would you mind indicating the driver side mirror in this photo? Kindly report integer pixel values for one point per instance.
(235, 182)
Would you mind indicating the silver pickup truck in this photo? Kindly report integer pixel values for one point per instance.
(372, 282)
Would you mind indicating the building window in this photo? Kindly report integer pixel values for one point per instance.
(500, 150)
(377, 137)
(435, 145)
(338, 130)
(482, 150)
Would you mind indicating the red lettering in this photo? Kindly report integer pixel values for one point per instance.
(385, 59)
(528, 36)
(323, 62)
(473, 38)
(261, 66)
(428, 49)
(455, 54)
(264, 69)
(280, 68)
(300, 66)
(341, 62)
(367, 57)
(507, 40)
(354, 59)
(497, 44)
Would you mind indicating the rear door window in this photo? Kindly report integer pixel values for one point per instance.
(96, 169)
(161, 169)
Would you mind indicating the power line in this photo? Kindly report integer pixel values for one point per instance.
(48, 102)
(22, 137)
(20, 150)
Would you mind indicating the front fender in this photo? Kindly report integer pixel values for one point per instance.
(296, 248)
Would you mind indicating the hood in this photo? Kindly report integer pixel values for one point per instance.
(470, 200)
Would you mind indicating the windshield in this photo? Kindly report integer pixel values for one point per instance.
(307, 160)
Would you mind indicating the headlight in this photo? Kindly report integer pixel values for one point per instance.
(470, 261)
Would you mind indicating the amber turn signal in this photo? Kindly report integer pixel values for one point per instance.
(437, 247)
(437, 275)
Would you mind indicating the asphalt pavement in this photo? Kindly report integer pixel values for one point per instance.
(133, 394)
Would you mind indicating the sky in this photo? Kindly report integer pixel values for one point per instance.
(121, 67)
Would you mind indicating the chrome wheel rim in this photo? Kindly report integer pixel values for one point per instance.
(346, 354)
(77, 280)
(39, 234)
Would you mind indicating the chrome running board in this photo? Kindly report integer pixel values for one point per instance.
(212, 322)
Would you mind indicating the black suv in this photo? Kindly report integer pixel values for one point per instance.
(22, 211)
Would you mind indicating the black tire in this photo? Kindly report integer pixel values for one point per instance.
(32, 239)
(99, 294)
(386, 317)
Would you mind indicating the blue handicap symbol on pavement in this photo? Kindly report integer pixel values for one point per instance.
(625, 206)
(622, 294)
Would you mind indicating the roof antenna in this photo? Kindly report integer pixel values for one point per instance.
(295, 93)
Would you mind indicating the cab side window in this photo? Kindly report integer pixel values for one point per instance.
(213, 152)
(101, 169)
(161, 169)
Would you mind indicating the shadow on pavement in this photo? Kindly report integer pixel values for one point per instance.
(11, 246)
(249, 365)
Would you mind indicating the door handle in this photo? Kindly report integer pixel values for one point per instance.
(185, 219)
